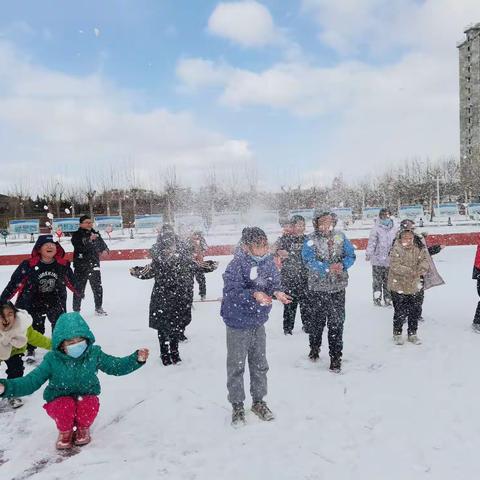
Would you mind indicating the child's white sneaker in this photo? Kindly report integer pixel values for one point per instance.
(398, 340)
(414, 339)
(261, 410)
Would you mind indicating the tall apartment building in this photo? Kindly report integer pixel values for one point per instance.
(469, 63)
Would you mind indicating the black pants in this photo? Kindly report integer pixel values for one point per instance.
(406, 308)
(379, 284)
(92, 275)
(326, 309)
(15, 367)
(168, 343)
(202, 283)
(476, 319)
(51, 312)
(290, 310)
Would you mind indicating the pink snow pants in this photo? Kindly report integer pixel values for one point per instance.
(70, 411)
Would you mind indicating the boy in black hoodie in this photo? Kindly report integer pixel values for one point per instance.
(40, 284)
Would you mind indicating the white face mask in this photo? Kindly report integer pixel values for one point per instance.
(76, 350)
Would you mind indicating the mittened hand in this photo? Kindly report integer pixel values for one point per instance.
(142, 355)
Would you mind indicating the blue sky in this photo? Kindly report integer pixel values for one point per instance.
(299, 89)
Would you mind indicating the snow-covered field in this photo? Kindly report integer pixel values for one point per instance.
(396, 412)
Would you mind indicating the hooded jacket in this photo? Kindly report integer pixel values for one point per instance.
(408, 265)
(14, 341)
(242, 278)
(380, 243)
(26, 281)
(319, 252)
(69, 376)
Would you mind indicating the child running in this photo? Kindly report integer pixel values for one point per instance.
(71, 370)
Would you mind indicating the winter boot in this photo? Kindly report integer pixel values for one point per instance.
(165, 352)
(261, 410)
(414, 339)
(377, 302)
(166, 359)
(335, 364)
(314, 353)
(287, 331)
(476, 327)
(64, 440)
(398, 339)
(100, 312)
(203, 298)
(82, 436)
(238, 414)
(15, 402)
(174, 355)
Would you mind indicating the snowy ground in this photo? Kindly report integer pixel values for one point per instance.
(395, 413)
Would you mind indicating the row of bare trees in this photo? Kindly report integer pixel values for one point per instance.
(124, 192)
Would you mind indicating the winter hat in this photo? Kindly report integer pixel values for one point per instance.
(407, 224)
(84, 217)
(320, 213)
(166, 240)
(42, 240)
(384, 211)
(297, 219)
(251, 235)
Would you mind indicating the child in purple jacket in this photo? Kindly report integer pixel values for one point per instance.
(251, 280)
(378, 250)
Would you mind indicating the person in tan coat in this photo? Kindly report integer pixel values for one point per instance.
(408, 264)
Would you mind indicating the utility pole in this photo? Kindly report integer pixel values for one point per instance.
(438, 193)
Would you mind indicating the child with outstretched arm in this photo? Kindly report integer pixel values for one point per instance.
(73, 386)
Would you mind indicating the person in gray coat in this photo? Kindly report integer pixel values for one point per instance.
(328, 255)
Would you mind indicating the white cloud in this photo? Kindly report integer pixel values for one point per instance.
(247, 23)
(377, 114)
(53, 123)
(381, 26)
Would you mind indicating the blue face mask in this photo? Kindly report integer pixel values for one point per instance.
(76, 350)
(259, 258)
(387, 222)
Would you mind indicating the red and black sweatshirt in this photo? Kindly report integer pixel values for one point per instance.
(41, 285)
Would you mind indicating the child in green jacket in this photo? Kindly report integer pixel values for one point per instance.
(73, 386)
(16, 332)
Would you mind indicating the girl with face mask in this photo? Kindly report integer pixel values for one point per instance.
(73, 386)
